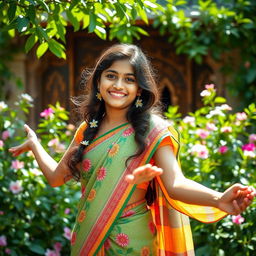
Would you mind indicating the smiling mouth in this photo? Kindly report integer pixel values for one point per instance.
(117, 94)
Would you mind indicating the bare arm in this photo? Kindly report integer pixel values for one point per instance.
(55, 173)
(233, 201)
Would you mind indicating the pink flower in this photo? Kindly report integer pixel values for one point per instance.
(67, 233)
(53, 142)
(225, 107)
(57, 247)
(248, 147)
(67, 211)
(15, 187)
(5, 135)
(73, 238)
(1, 143)
(51, 253)
(189, 120)
(1, 212)
(252, 138)
(122, 239)
(86, 165)
(101, 174)
(205, 93)
(209, 86)
(202, 133)
(211, 127)
(8, 251)
(16, 164)
(47, 113)
(200, 151)
(223, 149)
(3, 241)
(128, 132)
(107, 244)
(238, 219)
(241, 116)
(226, 129)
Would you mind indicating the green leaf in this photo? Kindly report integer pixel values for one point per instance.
(22, 23)
(44, 5)
(37, 249)
(61, 31)
(73, 20)
(12, 11)
(86, 21)
(30, 42)
(31, 11)
(42, 48)
(57, 48)
(219, 100)
(42, 34)
(92, 25)
(100, 32)
(143, 15)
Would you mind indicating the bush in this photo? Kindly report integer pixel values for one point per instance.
(218, 150)
(35, 218)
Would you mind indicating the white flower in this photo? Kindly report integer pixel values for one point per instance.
(205, 93)
(85, 142)
(16, 187)
(138, 103)
(26, 97)
(94, 123)
(250, 154)
(224, 107)
(189, 120)
(2, 105)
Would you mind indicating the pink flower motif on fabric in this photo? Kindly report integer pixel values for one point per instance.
(152, 227)
(122, 239)
(83, 189)
(87, 165)
(128, 132)
(101, 174)
(73, 238)
(128, 213)
(107, 244)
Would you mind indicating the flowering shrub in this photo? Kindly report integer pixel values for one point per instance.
(35, 218)
(218, 150)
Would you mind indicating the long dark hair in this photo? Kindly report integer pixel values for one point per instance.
(92, 108)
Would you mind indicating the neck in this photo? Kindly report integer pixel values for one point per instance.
(115, 117)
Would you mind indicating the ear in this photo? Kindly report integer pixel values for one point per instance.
(139, 92)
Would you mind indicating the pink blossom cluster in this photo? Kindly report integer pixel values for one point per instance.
(209, 88)
(1, 143)
(56, 252)
(223, 149)
(249, 150)
(226, 129)
(211, 127)
(200, 151)
(56, 145)
(202, 133)
(16, 164)
(15, 186)
(5, 135)
(3, 241)
(241, 116)
(238, 219)
(47, 113)
(67, 233)
(189, 120)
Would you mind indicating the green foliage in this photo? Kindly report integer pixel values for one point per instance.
(218, 150)
(34, 208)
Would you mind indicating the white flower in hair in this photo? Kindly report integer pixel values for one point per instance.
(85, 142)
(94, 123)
(98, 96)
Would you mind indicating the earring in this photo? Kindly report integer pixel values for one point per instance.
(138, 102)
(98, 96)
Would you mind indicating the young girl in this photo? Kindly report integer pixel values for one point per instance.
(126, 158)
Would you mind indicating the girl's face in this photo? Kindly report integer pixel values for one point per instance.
(118, 86)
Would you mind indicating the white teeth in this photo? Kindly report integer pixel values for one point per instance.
(117, 94)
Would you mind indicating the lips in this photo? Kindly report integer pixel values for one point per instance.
(117, 94)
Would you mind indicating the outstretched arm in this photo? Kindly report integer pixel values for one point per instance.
(55, 173)
(233, 201)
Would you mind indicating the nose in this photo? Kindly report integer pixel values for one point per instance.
(118, 84)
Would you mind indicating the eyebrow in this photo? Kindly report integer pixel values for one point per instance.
(113, 71)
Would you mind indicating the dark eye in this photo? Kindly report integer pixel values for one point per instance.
(130, 80)
(110, 76)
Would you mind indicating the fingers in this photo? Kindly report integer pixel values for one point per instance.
(143, 174)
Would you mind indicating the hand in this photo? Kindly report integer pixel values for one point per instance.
(26, 146)
(143, 174)
(236, 199)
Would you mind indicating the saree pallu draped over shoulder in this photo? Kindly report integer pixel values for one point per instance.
(102, 209)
